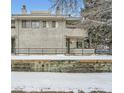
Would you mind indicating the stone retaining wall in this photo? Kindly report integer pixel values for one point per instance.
(62, 65)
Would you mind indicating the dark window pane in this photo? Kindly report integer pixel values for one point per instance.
(44, 24)
(12, 23)
(53, 24)
(35, 24)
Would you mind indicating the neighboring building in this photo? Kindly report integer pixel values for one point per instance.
(41, 30)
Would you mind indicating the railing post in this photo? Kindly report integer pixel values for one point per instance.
(15, 51)
(82, 51)
(41, 51)
(28, 51)
(56, 51)
(95, 51)
(110, 51)
(63, 50)
(18, 51)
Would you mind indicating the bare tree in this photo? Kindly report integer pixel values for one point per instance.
(98, 22)
(96, 19)
(67, 6)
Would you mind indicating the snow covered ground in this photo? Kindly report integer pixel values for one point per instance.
(35, 81)
(61, 57)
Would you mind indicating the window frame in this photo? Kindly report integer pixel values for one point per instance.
(26, 23)
(12, 23)
(53, 24)
(35, 26)
(44, 24)
(79, 44)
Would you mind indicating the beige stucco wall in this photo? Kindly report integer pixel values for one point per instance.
(44, 37)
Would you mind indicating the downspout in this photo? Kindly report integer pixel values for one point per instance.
(18, 33)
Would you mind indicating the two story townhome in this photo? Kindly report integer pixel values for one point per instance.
(41, 32)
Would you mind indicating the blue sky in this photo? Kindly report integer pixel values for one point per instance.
(30, 4)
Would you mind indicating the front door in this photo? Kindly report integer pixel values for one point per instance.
(68, 45)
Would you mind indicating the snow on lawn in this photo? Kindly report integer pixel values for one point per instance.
(35, 81)
(61, 57)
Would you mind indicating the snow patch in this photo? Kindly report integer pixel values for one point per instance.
(61, 57)
(37, 81)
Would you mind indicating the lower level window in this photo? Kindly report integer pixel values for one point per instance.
(79, 44)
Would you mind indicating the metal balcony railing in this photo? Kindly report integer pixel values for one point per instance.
(54, 51)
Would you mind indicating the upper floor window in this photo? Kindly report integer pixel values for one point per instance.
(12, 23)
(26, 24)
(35, 24)
(53, 24)
(44, 24)
(30, 24)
